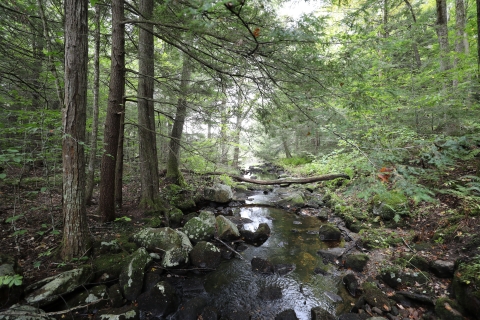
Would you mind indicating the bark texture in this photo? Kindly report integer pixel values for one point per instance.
(96, 86)
(75, 232)
(114, 113)
(442, 34)
(146, 112)
(173, 162)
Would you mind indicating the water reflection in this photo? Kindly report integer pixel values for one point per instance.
(235, 287)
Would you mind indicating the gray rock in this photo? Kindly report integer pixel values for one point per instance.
(49, 289)
(219, 193)
(109, 247)
(351, 284)
(329, 232)
(205, 255)
(201, 228)
(226, 229)
(258, 237)
(158, 239)
(131, 277)
(442, 269)
(160, 301)
(23, 312)
(331, 254)
(288, 314)
(318, 313)
(129, 312)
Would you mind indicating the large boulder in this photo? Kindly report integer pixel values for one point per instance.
(10, 293)
(219, 193)
(205, 255)
(159, 301)
(201, 228)
(258, 237)
(226, 229)
(329, 232)
(50, 289)
(442, 268)
(131, 277)
(157, 239)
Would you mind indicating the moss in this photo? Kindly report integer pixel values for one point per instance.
(110, 263)
(447, 309)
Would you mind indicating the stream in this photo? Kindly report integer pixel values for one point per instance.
(294, 240)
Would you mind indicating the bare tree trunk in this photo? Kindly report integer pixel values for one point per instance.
(173, 162)
(119, 164)
(96, 87)
(460, 46)
(223, 132)
(146, 112)
(442, 34)
(115, 109)
(416, 53)
(75, 231)
(51, 63)
(288, 154)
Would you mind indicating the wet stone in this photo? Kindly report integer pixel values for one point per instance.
(288, 314)
(261, 265)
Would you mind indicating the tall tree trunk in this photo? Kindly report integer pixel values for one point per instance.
(115, 109)
(51, 63)
(173, 162)
(146, 112)
(119, 163)
(442, 34)
(223, 132)
(288, 154)
(96, 87)
(460, 41)
(75, 232)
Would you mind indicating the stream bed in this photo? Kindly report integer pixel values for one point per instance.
(294, 241)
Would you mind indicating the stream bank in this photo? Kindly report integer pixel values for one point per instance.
(318, 269)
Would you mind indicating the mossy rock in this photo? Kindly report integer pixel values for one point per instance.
(200, 228)
(417, 261)
(447, 309)
(329, 232)
(157, 238)
(226, 229)
(375, 297)
(155, 222)
(175, 216)
(109, 264)
(390, 205)
(356, 262)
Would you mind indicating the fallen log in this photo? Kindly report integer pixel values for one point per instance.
(325, 177)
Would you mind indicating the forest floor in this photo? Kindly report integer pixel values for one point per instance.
(31, 225)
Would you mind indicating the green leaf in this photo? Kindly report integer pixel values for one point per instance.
(14, 218)
(3, 176)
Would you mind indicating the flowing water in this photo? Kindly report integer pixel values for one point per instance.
(294, 240)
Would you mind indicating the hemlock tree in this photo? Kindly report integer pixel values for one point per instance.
(173, 162)
(146, 112)
(75, 231)
(114, 113)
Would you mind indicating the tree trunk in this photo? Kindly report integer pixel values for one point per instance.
(173, 162)
(288, 154)
(292, 181)
(119, 164)
(460, 41)
(114, 111)
(442, 34)
(51, 63)
(416, 53)
(96, 87)
(75, 231)
(146, 112)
